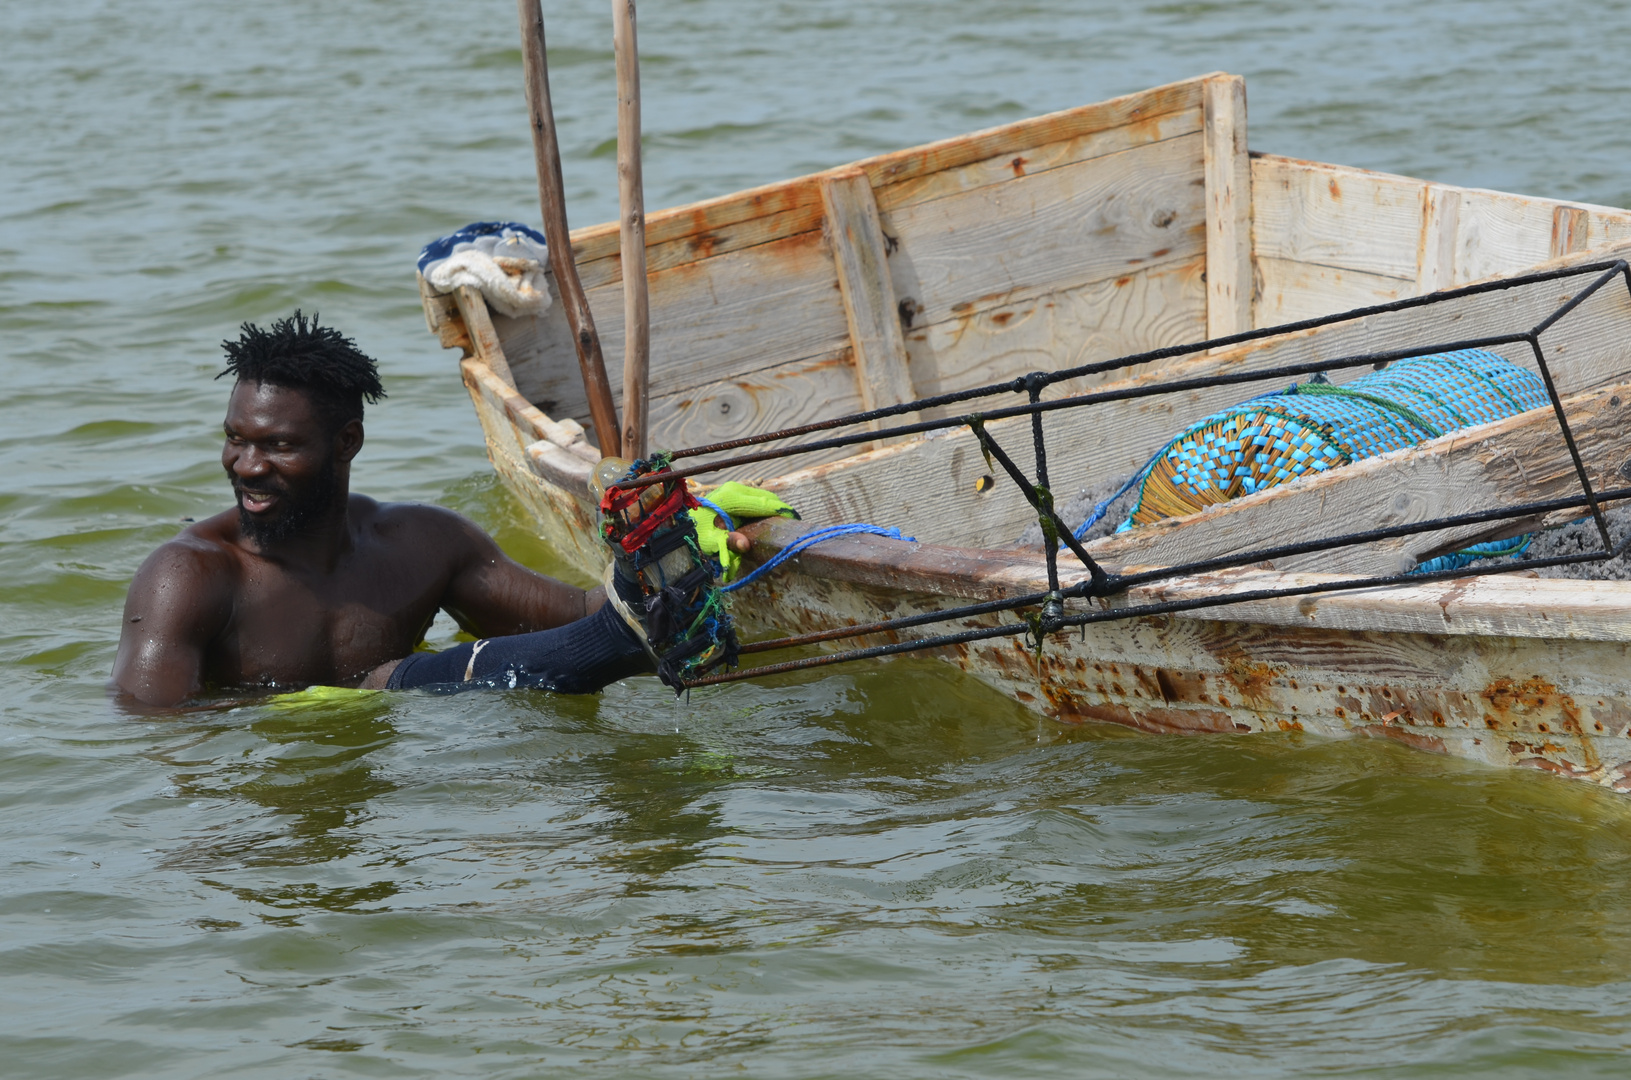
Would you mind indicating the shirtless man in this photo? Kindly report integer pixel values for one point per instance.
(307, 583)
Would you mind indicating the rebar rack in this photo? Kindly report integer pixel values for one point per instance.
(1051, 614)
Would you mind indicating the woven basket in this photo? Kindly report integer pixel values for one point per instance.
(1309, 428)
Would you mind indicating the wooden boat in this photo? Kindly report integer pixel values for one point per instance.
(1086, 235)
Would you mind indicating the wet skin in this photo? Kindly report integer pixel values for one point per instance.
(339, 601)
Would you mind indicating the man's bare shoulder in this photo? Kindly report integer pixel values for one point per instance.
(192, 576)
(207, 548)
(421, 521)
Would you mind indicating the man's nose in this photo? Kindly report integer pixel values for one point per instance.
(249, 461)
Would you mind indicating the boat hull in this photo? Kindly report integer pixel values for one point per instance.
(1558, 702)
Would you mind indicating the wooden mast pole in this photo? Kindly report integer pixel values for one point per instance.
(632, 233)
(552, 200)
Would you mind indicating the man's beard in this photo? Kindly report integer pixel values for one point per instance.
(298, 510)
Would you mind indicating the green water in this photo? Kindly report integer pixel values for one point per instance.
(888, 871)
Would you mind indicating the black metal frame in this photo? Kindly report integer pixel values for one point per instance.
(1100, 584)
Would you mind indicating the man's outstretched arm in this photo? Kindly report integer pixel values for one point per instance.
(535, 631)
(177, 604)
(491, 595)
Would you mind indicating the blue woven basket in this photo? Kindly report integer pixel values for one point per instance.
(1315, 426)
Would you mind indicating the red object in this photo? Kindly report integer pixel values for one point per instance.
(615, 500)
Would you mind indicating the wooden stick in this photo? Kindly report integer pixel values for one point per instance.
(631, 233)
(552, 200)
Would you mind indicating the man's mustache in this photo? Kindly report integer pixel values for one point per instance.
(268, 487)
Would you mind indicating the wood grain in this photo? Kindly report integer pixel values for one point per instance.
(1304, 211)
(1160, 305)
(1228, 208)
(1571, 229)
(1394, 226)
(631, 202)
(552, 203)
(790, 196)
(1291, 291)
(1039, 158)
(856, 239)
(1440, 230)
(1091, 221)
(484, 341)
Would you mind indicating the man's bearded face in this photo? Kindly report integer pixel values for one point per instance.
(280, 458)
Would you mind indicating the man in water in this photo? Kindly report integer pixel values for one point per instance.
(307, 583)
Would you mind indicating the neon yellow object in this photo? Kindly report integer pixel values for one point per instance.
(319, 695)
(745, 503)
(711, 539)
(742, 503)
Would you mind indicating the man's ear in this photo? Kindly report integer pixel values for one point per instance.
(348, 440)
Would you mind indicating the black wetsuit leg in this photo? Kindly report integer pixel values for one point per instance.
(578, 658)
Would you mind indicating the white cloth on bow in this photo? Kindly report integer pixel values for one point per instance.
(504, 260)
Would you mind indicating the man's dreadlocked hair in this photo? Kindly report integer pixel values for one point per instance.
(298, 353)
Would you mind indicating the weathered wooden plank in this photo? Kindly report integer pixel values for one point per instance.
(521, 423)
(1228, 208)
(1130, 109)
(484, 341)
(734, 313)
(1441, 226)
(719, 240)
(769, 399)
(1091, 221)
(1358, 220)
(856, 238)
(1153, 307)
(1519, 459)
(1590, 331)
(712, 320)
(780, 302)
(1499, 231)
(1504, 606)
(440, 310)
(1571, 227)
(1606, 227)
(802, 194)
(1495, 606)
(1291, 291)
(802, 213)
(1029, 161)
(1305, 211)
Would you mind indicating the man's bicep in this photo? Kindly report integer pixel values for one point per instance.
(491, 594)
(172, 613)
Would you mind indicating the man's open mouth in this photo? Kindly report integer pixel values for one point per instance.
(256, 502)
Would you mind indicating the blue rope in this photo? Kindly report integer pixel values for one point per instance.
(815, 536)
(1455, 560)
(730, 522)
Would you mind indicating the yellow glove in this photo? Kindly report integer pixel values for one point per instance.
(715, 541)
(745, 503)
(742, 503)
